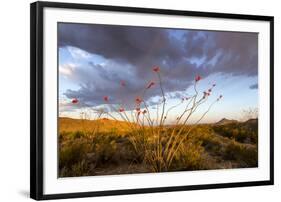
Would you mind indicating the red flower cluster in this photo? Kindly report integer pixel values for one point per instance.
(150, 85)
(105, 98)
(198, 78)
(138, 100)
(156, 69)
(123, 83)
(74, 101)
(121, 110)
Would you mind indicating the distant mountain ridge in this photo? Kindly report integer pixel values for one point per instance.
(226, 121)
(252, 121)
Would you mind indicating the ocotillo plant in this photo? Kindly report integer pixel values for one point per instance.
(155, 143)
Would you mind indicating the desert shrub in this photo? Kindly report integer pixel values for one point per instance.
(141, 141)
(226, 130)
(80, 168)
(245, 155)
(189, 157)
(209, 140)
(70, 136)
(105, 150)
(73, 152)
(97, 151)
(240, 132)
(78, 134)
(63, 136)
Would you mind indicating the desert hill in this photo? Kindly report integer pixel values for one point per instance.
(252, 121)
(103, 125)
(225, 121)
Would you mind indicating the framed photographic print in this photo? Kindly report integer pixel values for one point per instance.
(134, 100)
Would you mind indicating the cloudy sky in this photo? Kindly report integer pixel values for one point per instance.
(95, 59)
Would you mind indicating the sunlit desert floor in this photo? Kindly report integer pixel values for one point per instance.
(105, 147)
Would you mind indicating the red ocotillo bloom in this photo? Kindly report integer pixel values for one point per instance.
(123, 83)
(121, 110)
(138, 100)
(156, 69)
(150, 85)
(105, 98)
(198, 78)
(74, 101)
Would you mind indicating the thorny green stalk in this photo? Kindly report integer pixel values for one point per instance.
(164, 99)
(160, 156)
(190, 129)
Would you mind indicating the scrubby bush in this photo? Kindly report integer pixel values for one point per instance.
(189, 157)
(240, 132)
(81, 154)
(245, 155)
(73, 151)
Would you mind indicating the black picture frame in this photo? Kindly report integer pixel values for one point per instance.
(36, 98)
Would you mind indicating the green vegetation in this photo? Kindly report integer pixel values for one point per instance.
(117, 150)
(246, 132)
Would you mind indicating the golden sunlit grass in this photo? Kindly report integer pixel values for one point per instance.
(92, 126)
(111, 151)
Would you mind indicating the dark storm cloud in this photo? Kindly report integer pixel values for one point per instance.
(104, 80)
(98, 81)
(180, 57)
(127, 44)
(238, 53)
(226, 52)
(254, 86)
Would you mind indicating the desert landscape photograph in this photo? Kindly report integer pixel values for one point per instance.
(137, 100)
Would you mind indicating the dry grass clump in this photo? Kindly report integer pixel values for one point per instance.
(84, 153)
